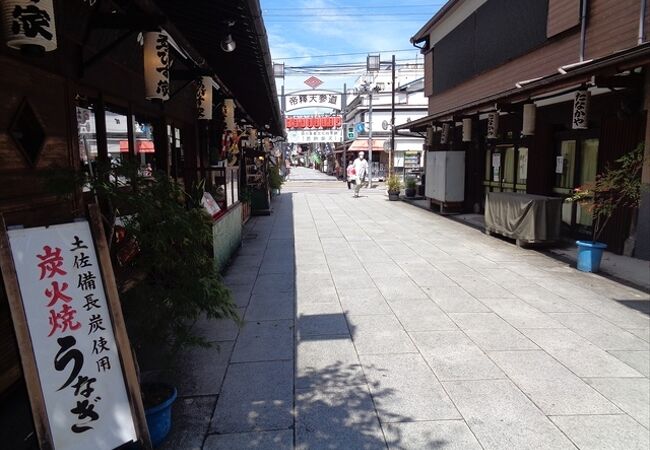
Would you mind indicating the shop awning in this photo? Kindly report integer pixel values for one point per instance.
(247, 72)
(141, 146)
(362, 145)
(623, 60)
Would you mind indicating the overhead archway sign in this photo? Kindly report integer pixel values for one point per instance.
(313, 99)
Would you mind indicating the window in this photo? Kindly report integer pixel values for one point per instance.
(565, 167)
(145, 150)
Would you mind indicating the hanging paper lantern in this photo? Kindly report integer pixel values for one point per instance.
(204, 98)
(493, 125)
(581, 110)
(467, 130)
(229, 114)
(444, 134)
(528, 126)
(29, 25)
(156, 66)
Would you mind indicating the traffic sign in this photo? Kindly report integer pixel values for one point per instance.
(360, 127)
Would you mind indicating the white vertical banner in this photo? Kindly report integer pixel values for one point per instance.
(71, 331)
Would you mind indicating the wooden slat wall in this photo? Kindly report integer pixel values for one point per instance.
(613, 25)
(562, 16)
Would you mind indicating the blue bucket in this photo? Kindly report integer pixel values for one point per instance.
(159, 419)
(590, 254)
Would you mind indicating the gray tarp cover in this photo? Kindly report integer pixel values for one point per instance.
(530, 218)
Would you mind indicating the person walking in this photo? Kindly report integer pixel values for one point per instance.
(350, 174)
(361, 172)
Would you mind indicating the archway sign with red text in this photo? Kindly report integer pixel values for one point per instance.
(314, 129)
(76, 358)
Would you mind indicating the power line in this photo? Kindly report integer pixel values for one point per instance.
(401, 7)
(347, 54)
(296, 16)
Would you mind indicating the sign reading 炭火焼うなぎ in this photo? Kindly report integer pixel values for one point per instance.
(72, 336)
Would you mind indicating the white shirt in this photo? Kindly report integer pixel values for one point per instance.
(361, 168)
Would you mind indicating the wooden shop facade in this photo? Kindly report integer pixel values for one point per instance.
(540, 95)
(178, 87)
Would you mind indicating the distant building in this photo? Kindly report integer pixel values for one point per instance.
(410, 104)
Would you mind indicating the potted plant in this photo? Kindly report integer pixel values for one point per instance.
(246, 197)
(162, 257)
(393, 186)
(275, 180)
(616, 187)
(410, 187)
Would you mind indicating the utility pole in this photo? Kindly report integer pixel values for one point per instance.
(392, 121)
(370, 138)
(344, 129)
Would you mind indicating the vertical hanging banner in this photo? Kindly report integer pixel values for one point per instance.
(156, 65)
(204, 98)
(82, 399)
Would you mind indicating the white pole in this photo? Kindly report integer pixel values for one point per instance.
(370, 139)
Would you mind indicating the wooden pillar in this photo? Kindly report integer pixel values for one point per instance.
(642, 249)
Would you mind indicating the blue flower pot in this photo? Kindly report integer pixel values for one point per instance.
(159, 419)
(590, 254)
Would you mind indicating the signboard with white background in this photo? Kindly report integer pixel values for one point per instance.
(71, 330)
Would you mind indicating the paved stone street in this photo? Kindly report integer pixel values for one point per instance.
(372, 324)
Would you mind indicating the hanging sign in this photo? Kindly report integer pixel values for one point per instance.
(204, 98)
(581, 110)
(314, 122)
(493, 125)
(309, 136)
(313, 99)
(29, 24)
(559, 164)
(156, 65)
(82, 396)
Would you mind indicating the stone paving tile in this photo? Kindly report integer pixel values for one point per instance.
(639, 360)
(501, 416)
(264, 341)
(404, 389)
(190, 421)
(267, 283)
(351, 280)
(255, 396)
(613, 432)
(579, 355)
(213, 330)
(444, 434)
(398, 288)
(542, 299)
(321, 324)
(632, 395)
(200, 371)
(337, 418)
(366, 301)
(490, 332)
(261, 440)
(550, 385)
(241, 294)
(453, 356)
(273, 306)
(453, 299)
(329, 361)
(600, 332)
(379, 334)
(421, 315)
(519, 314)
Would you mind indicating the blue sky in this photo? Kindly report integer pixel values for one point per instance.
(308, 28)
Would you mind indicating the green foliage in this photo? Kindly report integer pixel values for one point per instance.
(411, 183)
(393, 184)
(172, 282)
(275, 179)
(616, 187)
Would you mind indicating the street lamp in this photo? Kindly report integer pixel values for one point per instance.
(373, 64)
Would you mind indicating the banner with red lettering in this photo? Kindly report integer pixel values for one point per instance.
(72, 336)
